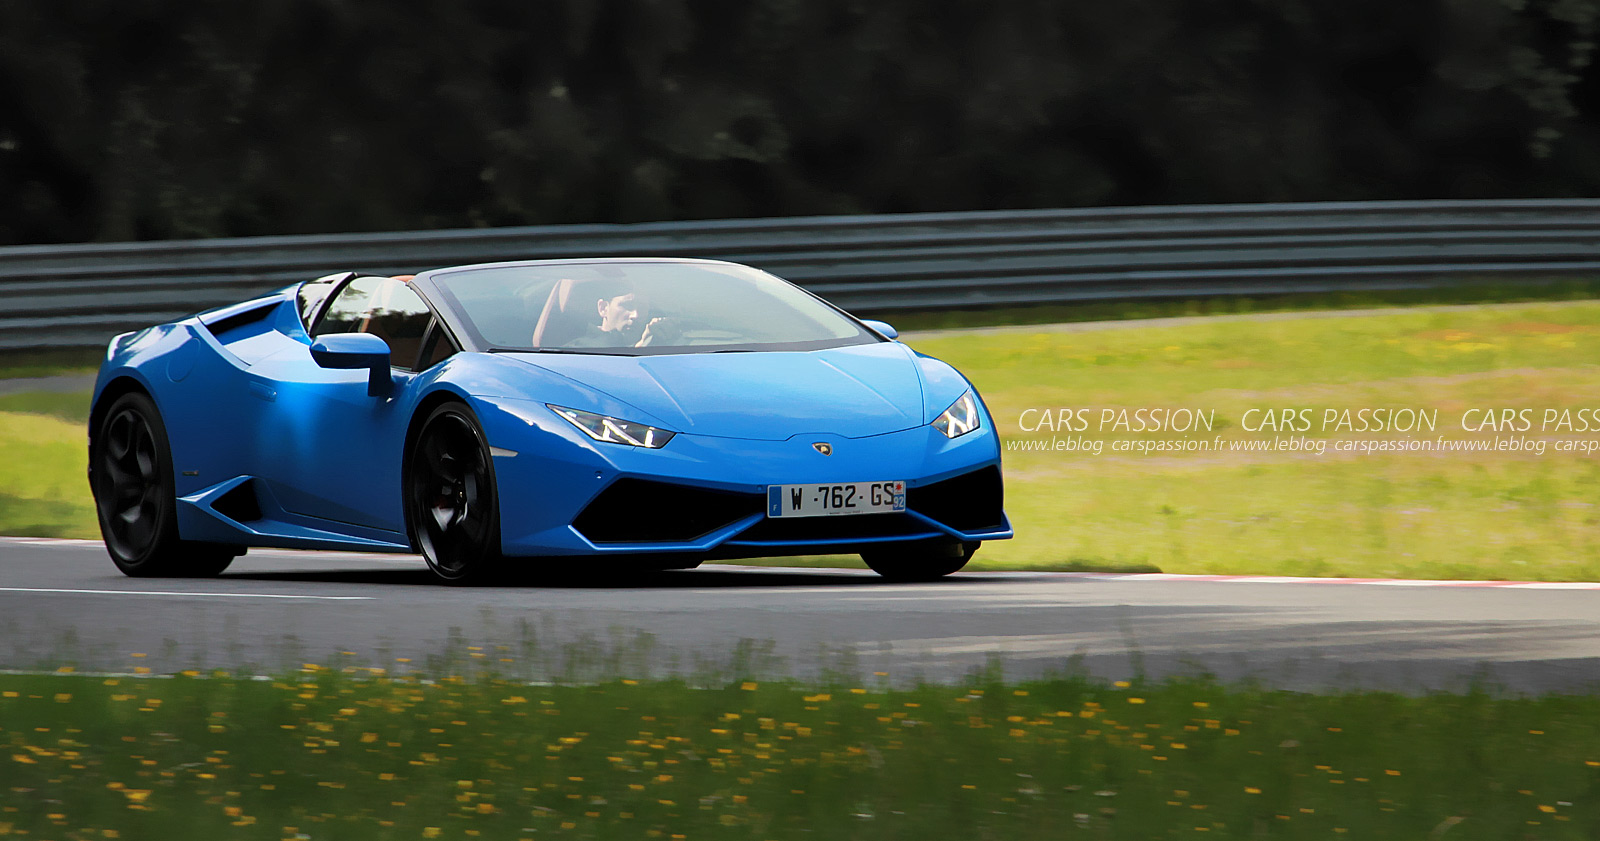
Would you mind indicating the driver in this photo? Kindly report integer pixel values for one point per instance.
(619, 309)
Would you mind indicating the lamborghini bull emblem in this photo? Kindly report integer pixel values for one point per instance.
(823, 447)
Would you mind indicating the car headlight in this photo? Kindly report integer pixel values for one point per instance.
(614, 430)
(959, 419)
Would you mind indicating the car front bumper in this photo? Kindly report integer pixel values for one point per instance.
(562, 494)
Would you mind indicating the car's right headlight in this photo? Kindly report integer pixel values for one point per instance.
(615, 430)
(960, 418)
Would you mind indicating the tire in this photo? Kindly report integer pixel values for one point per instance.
(924, 561)
(135, 501)
(452, 507)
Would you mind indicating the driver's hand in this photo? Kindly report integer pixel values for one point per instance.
(659, 330)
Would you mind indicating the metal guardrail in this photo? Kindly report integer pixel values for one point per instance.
(80, 295)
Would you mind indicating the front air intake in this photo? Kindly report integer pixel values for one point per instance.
(642, 511)
(969, 502)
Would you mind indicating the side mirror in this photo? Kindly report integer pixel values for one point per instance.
(356, 350)
(882, 327)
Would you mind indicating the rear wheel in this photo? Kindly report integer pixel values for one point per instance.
(923, 561)
(134, 497)
(451, 502)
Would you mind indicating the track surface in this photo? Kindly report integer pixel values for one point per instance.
(63, 602)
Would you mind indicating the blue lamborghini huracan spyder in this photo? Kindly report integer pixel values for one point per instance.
(635, 412)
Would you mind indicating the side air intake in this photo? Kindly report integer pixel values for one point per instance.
(240, 504)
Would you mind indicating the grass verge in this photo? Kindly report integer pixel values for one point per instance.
(1468, 514)
(45, 362)
(324, 754)
(44, 491)
(69, 406)
(1481, 292)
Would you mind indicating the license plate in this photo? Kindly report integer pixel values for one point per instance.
(834, 500)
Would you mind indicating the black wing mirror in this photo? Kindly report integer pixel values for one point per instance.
(356, 350)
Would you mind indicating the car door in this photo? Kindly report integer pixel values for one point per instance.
(335, 449)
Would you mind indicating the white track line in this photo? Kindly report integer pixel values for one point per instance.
(198, 594)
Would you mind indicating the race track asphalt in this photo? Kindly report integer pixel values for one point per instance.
(63, 603)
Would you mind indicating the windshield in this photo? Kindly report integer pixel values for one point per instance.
(639, 308)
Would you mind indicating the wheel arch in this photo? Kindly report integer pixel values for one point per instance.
(419, 415)
(113, 391)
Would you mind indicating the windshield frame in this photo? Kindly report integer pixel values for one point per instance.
(451, 312)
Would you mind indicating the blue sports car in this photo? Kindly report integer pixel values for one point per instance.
(644, 412)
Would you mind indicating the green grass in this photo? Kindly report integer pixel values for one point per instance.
(45, 362)
(72, 407)
(44, 491)
(1433, 515)
(1477, 515)
(1481, 292)
(328, 755)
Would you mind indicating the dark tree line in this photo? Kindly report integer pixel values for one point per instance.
(156, 119)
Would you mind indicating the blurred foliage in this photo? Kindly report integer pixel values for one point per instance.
(360, 753)
(161, 119)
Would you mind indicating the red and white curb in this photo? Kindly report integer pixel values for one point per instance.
(1292, 579)
(1082, 576)
(1219, 579)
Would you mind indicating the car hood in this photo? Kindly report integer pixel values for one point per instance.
(852, 391)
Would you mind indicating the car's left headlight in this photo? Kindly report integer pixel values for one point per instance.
(960, 418)
(615, 430)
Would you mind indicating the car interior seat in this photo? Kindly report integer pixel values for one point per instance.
(569, 311)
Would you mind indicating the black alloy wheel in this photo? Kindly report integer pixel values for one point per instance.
(134, 498)
(921, 561)
(451, 503)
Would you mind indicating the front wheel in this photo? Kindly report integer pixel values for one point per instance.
(451, 503)
(924, 561)
(134, 497)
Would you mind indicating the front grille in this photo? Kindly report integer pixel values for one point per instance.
(835, 529)
(969, 502)
(642, 511)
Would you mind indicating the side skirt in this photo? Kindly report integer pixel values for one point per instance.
(254, 518)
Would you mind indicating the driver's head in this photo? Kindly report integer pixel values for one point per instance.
(619, 307)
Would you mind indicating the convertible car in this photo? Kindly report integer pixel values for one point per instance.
(634, 412)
